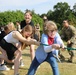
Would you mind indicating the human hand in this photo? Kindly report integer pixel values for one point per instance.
(35, 42)
(56, 46)
(28, 38)
(68, 42)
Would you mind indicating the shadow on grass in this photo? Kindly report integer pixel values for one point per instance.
(23, 68)
(66, 61)
(26, 54)
(1, 73)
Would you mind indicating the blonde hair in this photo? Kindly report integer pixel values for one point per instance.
(11, 26)
(49, 25)
(27, 28)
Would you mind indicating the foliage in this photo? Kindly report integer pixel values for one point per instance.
(37, 19)
(13, 16)
(60, 12)
(10, 16)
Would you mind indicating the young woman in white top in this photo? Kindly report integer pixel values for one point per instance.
(12, 44)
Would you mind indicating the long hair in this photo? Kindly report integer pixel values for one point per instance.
(27, 28)
(11, 26)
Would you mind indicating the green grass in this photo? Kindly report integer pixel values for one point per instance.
(65, 68)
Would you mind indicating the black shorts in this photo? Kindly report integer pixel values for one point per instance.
(9, 48)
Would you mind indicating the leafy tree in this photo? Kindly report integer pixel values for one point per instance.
(10, 16)
(74, 8)
(13, 16)
(50, 15)
(37, 19)
(60, 11)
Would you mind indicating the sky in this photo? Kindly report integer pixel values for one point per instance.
(39, 6)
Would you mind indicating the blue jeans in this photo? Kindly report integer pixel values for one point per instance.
(50, 59)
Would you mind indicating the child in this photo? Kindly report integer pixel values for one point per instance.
(12, 44)
(45, 53)
(6, 29)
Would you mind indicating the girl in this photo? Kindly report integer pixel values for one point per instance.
(8, 28)
(12, 44)
(28, 20)
(46, 53)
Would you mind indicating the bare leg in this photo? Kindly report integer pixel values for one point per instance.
(1, 61)
(32, 51)
(17, 61)
(3, 56)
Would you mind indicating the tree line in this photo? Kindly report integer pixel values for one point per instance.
(60, 12)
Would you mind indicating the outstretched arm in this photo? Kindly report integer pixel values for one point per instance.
(18, 36)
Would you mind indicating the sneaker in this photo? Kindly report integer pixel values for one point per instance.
(4, 68)
(21, 65)
(62, 58)
(70, 60)
(13, 67)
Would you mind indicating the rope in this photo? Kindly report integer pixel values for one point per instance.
(68, 48)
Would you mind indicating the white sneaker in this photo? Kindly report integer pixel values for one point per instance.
(4, 68)
(21, 65)
(13, 67)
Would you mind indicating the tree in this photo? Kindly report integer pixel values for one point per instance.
(13, 16)
(50, 15)
(60, 11)
(74, 7)
(10, 16)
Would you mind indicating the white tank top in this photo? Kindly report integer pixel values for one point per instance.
(10, 39)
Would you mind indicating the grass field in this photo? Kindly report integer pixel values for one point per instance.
(45, 69)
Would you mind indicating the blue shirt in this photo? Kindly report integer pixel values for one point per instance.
(42, 51)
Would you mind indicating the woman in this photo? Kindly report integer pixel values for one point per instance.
(12, 44)
(46, 53)
(6, 29)
(28, 20)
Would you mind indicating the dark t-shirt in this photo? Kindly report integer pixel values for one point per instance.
(2, 34)
(23, 24)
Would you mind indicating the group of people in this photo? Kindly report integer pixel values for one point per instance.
(4, 31)
(68, 34)
(15, 41)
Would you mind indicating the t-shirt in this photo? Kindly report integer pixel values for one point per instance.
(10, 39)
(23, 24)
(2, 34)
